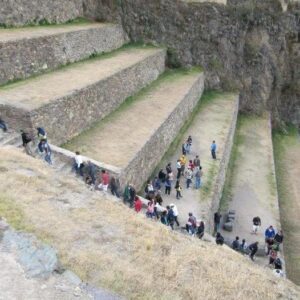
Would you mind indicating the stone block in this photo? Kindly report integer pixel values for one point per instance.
(228, 226)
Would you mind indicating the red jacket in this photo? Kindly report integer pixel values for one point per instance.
(138, 205)
(105, 179)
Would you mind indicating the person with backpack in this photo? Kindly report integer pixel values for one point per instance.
(167, 186)
(188, 176)
(213, 149)
(217, 221)
(178, 167)
(253, 249)
(198, 176)
(236, 244)
(197, 161)
(26, 140)
(42, 136)
(219, 239)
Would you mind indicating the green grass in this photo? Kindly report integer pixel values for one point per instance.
(238, 140)
(46, 23)
(206, 190)
(167, 76)
(93, 57)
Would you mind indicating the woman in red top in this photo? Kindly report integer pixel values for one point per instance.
(191, 165)
(137, 204)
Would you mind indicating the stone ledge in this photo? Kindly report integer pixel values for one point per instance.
(35, 50)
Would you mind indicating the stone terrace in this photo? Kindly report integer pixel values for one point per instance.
(74, 97)
(136, 136)
(33, 50)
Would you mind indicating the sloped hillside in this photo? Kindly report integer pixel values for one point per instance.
(110, 246)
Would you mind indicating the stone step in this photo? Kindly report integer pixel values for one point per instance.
(68, 100)
(33, 50)
(136, 136)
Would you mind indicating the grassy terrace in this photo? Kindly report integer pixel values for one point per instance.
(287, 161)
(110, 246)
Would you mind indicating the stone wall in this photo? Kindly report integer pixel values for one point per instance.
(25, 57)
(70, 115)
(22, 12)
(152, 152)
(219, 184)
(244, 45)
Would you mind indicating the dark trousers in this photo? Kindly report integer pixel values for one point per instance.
(79, 169)
(176, 220)
(213, 154)
(178, 173)
(114, 191)
(168, 190)
(252, 253)
(178, 194)
(188, 182)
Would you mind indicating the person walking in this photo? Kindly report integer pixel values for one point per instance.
(197, 161)
(78, 163)
(114, 187)
(132, 194)
(42, 136)
(178, 167)
(178, 190)
(104, 181)
(253, 249)
(170, 217)
(256, 224)
(188, 176)
(278, 238)
(91, 170)
(46, 148)
(175, 212)
(217, 221)
(182, 163)
(213, 149)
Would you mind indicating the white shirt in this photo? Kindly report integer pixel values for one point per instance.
(175, 210)
(78, 160)
(160, 208)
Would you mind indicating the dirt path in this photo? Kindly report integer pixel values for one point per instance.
(253, 187)
(212, 122)
(287, 155)
(117, 139)
(35, 92)
(14, 34)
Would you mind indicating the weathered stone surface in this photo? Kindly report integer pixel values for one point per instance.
(243, 45)
(22, 12)
(30, 51)
(81, 105)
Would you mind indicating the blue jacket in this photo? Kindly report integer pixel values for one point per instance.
(270, 234)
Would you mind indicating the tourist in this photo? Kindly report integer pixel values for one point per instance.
(236, 244)
(213, 149)
(253, 249)
(200, 230)
(178, 190)
(178, 167)
(158, 209)
(46, 148)
(272, 256)
(91, 171)
(188, 176)
(191, 165)
(132, 194)
(243, 246)
(149, 189)
(41, 134)
(191, 225)
(162, 176)
(269, 245)
(137, 204)
(169, 168)
(168, 186)
(198, 176)
(78, 163)
(197, 161)
(183, 149)
(175, 212)
(256, 224)
(156, 184)
(164, 217)
(113, 184)
(170, 217)
(182, 163)
(278, 238)
(269, 233)
(26, 142)
(219, 239)
(217, 221)
(104, 181)
(189, 144)
(150, 209)
(158, 198)
(126, 194)
(3, 125)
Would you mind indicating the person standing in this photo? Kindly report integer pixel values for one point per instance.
(170, 217)
(175, 212)
(26, 142)
(79, 163)
(197, 161)
(253, 249)
(104, 180)
(213, 149)
(188, 176)
(162, 176)
(167, 186)
(198, 176)
(256, 224)
(217, 221)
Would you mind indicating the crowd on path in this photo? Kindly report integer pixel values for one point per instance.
(188, 170)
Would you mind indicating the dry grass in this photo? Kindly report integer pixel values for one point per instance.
(112, 247)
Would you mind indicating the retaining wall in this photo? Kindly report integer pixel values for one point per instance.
(22, 12)
(22, 58)
(219, 184)
(142, 165)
